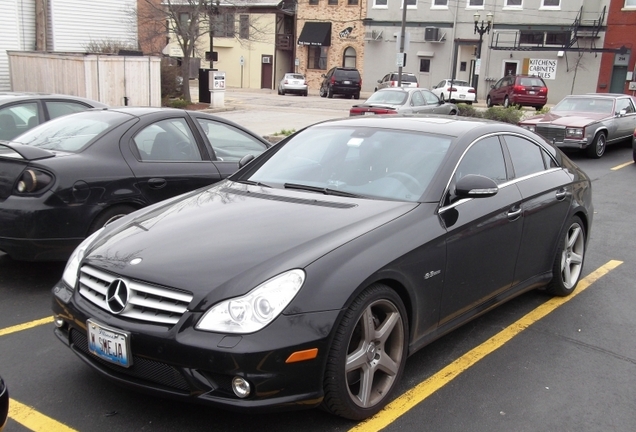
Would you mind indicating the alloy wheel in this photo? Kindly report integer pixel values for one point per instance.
(572, 256)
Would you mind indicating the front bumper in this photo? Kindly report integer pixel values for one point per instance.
(196, 366)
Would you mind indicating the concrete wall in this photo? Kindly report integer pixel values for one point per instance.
(17, 26)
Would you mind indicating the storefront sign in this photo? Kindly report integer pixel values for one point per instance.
(545, 68)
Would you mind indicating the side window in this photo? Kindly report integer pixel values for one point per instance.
(624, 104)
(417, 99)
(18, 118)
(431, 99)
(167, 141)
(485, 157)
(60, 108)
(228, 142)
(527, 157)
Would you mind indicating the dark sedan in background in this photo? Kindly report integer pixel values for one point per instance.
(20, 112)
(69, 177)
(310, 275)
(589, 122)
(4, 404)
(403, 101)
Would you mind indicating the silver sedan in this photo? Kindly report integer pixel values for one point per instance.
(402, 101)
(293, 83)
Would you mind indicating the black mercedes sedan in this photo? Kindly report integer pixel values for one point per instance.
(310, 275)
(63, 180)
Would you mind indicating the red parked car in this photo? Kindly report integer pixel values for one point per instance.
(519, 90)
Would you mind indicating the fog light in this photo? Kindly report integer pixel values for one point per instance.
(59, 322)
(241, 387)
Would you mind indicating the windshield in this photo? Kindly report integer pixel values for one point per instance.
(391, 97)
(364, 161)
(73, 132)
(593, 105)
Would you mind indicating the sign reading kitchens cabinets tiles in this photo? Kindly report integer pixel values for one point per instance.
(545, 68)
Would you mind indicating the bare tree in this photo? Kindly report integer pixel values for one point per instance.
(190, 20)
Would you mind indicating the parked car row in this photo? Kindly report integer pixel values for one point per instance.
(403, 101)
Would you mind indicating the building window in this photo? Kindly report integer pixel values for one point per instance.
(332, 2)
(462, 66)
(475, 3)
(513, 3)
(551, 4)
(630, 4)
(313, 2)
(352, 2)
(380, 4)
(244, 26)
(439, 4)
(557, 38)
(349, 58)
(425, 65)
(317, 57)
(184, 19)
(532, 38)
(224, 25)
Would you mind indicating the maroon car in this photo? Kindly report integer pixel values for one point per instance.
(518, 90)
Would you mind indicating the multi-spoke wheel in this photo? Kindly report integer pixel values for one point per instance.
(568, 263)
(368, 354)
(597, 148)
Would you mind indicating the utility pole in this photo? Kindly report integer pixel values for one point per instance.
(402, 38)
(213, 11)
(481, 30)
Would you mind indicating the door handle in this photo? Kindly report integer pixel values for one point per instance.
(514, 213)
(157, 183)
(561, 194)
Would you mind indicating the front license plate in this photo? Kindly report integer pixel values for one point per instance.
(109, 344)
(346, 82)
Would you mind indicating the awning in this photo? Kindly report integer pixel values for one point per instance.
(315, 34)
(425, 53)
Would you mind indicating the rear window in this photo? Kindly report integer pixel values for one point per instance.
(530, 82)
(391, 97)
(348, 74)
(295, 76)
(405, 78)
(73, 132)
(460, 83)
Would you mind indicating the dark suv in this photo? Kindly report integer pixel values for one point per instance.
(339, 80)
(519, 90)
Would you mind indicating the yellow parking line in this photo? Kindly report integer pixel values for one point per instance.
(33, 420)
(617, 167)
(25, 326)
(411, 398)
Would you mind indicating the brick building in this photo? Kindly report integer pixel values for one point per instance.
(617, 69)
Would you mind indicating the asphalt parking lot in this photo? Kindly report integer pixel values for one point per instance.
(533, 364)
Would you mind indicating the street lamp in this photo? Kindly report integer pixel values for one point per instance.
(213, 11)
(481, 29)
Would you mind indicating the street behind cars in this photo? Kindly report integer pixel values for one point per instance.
(403, 101)
(587, 122)
(69, 177)
(21, 111)
(300, 280)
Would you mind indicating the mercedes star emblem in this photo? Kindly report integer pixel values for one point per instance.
(117, 296)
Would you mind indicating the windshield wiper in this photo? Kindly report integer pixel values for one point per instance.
(252, 183)
(326, 191)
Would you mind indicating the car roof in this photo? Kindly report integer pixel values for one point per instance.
(437, 124)
(17, 96)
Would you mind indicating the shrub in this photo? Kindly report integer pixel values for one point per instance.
(466, 110)
(176, 103)
(507, 115)
(285, 132)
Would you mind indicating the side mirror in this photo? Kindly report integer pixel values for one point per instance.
(245, 160)
(622, 112)
(322, 75)
(379, 80)
(476, 186)
(492, 86)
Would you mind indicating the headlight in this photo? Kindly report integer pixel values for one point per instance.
(576, 133)
(72, 266)
(256, 309)
(529, 127)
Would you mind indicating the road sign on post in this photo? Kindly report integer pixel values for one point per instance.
(401, 59)
(242, 61)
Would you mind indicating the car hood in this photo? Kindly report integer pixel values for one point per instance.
(567, 118)
(225, 240)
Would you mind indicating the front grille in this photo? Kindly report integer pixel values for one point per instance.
(146, 302)
(551, 133)
(144, 369)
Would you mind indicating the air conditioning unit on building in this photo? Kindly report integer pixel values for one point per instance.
(373, 35)
(267, 59)
(432, 34)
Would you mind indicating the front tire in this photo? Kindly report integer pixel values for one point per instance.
(506, 102)
(568, 263)
(367, 356)
(489, 102)
(597, 149)
(322, 92)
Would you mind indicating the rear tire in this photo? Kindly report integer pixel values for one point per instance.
(441, 97)
(597, 149)
(568, 263)
(109, 215)
(367, 355)
(539, 108)
(321, 92)
(356, 96)
(634, 155)
(329, 93)
(506, 102)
